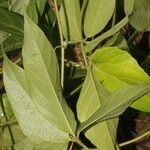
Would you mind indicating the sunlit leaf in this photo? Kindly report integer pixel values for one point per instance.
(116, 104)
(89, 101)
(97, 15)
(70, 17)
(117, 68)
(140, 18)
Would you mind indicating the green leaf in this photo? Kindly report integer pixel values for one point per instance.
(18, 6)
(32, 122)
(128, 6)
(116, 104)
(17, 135)
(70, 17)
(92, 44)
(28, 145)
(119, 41)
(89, 101)
(35, 93)
(3, 36)
(11, 23)
(11, 43)
(116, 68)
(97, 15)
(35, 9)
(3, 4)
(140, 18)
(7, 107)
(42, 70)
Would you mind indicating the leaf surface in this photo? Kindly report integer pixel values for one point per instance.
(3, 36)
(11, 43)
(18, 6)
(97, 15)
(35, 9)
(92, 44)
(140, 18)
(70, 17)
(11, 23)
(3, 4)
(116, 104)
(128, 6)
(116, 68)
(33, 124)
(35, 93)
(28, 145)
(42, 71)
(89, 101)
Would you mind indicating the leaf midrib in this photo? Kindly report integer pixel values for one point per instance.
(58, 102)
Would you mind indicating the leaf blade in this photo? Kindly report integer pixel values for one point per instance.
(89, 101)
(117, 103)
(92, 44)
(139, 18)
(116, 68)
(70, 19)
(24, 108)
(42, 72)
(11, 23)
(98, 13)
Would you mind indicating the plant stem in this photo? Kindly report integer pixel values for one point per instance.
(71, 146)
(74, 91)
(132, 37)
(135, 139)
(62, 43)
(84, 55)
(82, 144)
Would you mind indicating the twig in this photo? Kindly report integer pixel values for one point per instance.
(62, 43)
(71, 146)
(135, 139)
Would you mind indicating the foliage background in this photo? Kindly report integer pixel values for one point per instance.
(131, 34)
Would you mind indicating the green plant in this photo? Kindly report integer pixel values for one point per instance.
(81, 40)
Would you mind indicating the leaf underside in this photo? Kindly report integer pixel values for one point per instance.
(35, 93)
